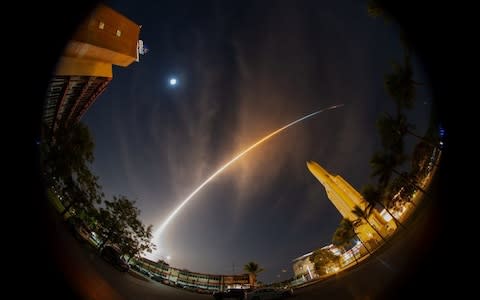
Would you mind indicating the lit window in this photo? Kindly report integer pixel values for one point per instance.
(119, 33)
(101, 25)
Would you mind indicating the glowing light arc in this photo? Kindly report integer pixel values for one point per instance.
(238, 156)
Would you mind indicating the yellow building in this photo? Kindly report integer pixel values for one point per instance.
(345, 198)
(84, 70)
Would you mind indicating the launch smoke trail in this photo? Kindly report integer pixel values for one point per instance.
(170, 217)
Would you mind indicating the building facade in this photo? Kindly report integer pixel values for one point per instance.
(194, 280)
(84, 70)
(304, 268)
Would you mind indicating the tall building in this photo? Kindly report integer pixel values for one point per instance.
(345, 198)
(84, 70)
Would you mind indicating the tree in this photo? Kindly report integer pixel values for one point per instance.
(344, 235)
(400, 85)
(363, 215)
(374, 196)
(383, 165)
(66, 156)
(390, 135)
(82, 193)
(324, 259)
(119, 225)
(393, 130)
(68, 150)
(139, 242)
(252, 268)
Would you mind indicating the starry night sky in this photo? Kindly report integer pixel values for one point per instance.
(244, 69)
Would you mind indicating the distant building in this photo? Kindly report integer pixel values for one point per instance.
(304, 269)
(194, 280)
(84, 70)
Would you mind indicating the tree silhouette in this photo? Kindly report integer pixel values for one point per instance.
(400, 85)
(383, 165)
(344, 235)
(66, 156)
(373, 196)
(393, 130)
(252, 268)
(363, 215)
(323, 259)
(119, 225)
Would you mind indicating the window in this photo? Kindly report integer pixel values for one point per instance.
(119, 33)
(101, 25)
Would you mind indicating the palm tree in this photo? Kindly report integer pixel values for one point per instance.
(384, 164)
(364, 214)
(344, 235)
(390, 137)
(400, 85)
(354, 224)
(393, 130)
(373, 196)
(252, 268)
(342, 238)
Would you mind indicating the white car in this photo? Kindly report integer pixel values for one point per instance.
(269, 293)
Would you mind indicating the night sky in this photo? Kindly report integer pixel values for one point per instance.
(244, 69)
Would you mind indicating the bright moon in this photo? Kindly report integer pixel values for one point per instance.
(173, 81)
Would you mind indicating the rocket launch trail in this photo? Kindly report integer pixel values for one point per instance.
(237, 157)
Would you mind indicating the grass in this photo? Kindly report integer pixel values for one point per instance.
(57, 204)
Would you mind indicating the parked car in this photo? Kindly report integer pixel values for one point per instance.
(141, 270)
(113, 256)
(239, 294)
(269, 293)
(158, 278)
(79, 229)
